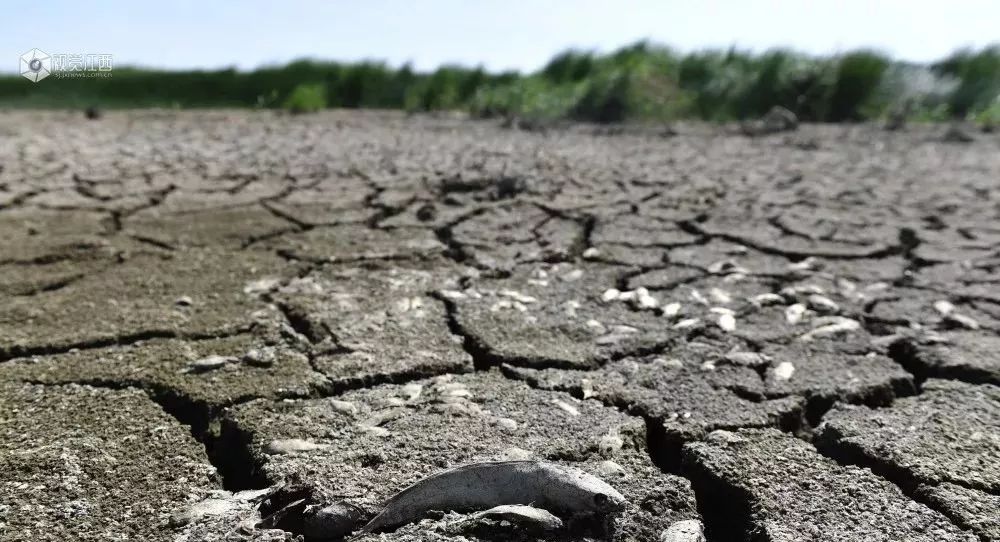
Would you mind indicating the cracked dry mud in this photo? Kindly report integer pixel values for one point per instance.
(246, 326)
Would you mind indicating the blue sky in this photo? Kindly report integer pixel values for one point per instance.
(511, 34)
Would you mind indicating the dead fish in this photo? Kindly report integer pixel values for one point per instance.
(486, 485)
(845, 325)
(331, 522)
(520, 514)
(209, 363)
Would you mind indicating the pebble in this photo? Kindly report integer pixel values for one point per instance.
(671, 309)
(573, 275)
(591, 253)
(689, 530)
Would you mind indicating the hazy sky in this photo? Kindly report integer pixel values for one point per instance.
(508, 34)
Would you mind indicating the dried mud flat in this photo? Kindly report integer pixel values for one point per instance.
(242, 326)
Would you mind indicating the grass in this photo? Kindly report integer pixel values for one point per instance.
(641, 82)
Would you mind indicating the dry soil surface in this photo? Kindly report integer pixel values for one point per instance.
(246, 326)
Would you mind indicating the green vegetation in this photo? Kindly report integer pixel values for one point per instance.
(641, 82)
(306, 98)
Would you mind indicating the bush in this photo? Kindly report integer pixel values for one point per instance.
(979, 79)
(306, 98)
(857, 80)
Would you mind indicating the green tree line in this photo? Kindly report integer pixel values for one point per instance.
(635, 83)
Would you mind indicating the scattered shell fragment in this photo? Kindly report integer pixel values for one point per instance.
(747, 359)
(610, 468)
(767, 299)
(803, 265)
(698, 297)
(610, 443)
(515, 454)
(644, 300)
(671, 309)
(720, 296)
(823, 303)
(507, 424)
(784, 370)
(961, 320)
(261, 286)
(290, 446)
(184, 301)
(727, 322)
(518, 296)
(572, 410)
(610, 294)
(453, 294)
(689, 530)
(198, 510)
(344, 407)
(794, 313)
(412, 391)
(944, 307)
(687, 322)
